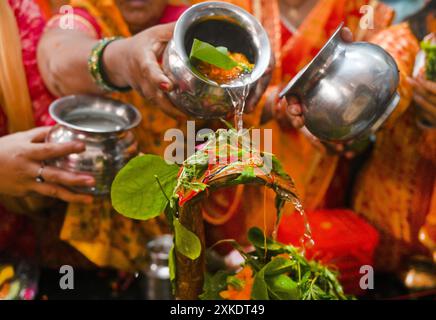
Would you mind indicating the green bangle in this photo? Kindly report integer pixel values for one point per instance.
(95, 66)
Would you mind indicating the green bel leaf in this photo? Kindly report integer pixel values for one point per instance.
(223, 50)
(271, 282)
(257, 239)
(278, 266)
(172, 264)
(213, 285)
(206, 52)
(282, 287)
(260, 287)
(135, 191)
(247, 175)
(187, 242)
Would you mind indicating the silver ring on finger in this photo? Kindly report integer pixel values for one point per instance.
(39, 178)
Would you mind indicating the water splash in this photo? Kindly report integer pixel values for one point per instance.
(306, 240)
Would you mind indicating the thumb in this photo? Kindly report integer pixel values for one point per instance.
(38, 134)
(347, 35)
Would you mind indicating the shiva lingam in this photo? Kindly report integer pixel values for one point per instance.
(265, 171)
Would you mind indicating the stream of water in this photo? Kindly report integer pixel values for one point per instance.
(238, 97)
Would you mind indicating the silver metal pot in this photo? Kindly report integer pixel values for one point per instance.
(347, 91)
(158, 283)
(220, 24)
(105, 126)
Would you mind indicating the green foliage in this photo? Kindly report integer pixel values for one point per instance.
(213, 285)
(281, 272)
(282, 287)
(430, 52)
(135, 191)
(187, 242)
(172, 266)
(256, 237)
(247, 175)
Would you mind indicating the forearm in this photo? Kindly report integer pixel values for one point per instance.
(63, 62)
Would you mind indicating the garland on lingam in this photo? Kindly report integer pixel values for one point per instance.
(148, 186)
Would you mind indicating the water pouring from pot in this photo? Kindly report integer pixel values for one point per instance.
(199, 89)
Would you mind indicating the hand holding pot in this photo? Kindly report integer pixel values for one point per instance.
(134, 62)
(22, 156)
(291, 106)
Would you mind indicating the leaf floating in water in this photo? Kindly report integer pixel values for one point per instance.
(217, 56)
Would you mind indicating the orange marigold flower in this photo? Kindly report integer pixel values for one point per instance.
(242, 291)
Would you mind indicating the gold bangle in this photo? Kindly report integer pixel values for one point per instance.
(95, 66)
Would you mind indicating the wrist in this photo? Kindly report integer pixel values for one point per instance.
(97, 70)
(111, 64)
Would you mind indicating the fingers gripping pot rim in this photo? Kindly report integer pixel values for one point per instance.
(220, 24)
(347, 91)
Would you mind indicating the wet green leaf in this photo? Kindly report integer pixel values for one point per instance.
(283, 287)
(213, 285)
(187, 242)
(279, 265)
(206, 52)
(172, 264)
(260, 287)
(257, 239)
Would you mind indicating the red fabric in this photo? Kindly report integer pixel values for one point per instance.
(9, 224)
(172, 13)
(15, 231)
(342, 239)
(31, 25)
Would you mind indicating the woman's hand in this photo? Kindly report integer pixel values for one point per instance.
(291, 109)
(130, 62)
(135, 62)
(425, 98)
(21, 157)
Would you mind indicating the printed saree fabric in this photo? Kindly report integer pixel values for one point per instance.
(30, 24)
(24, 100)
(394, 191)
